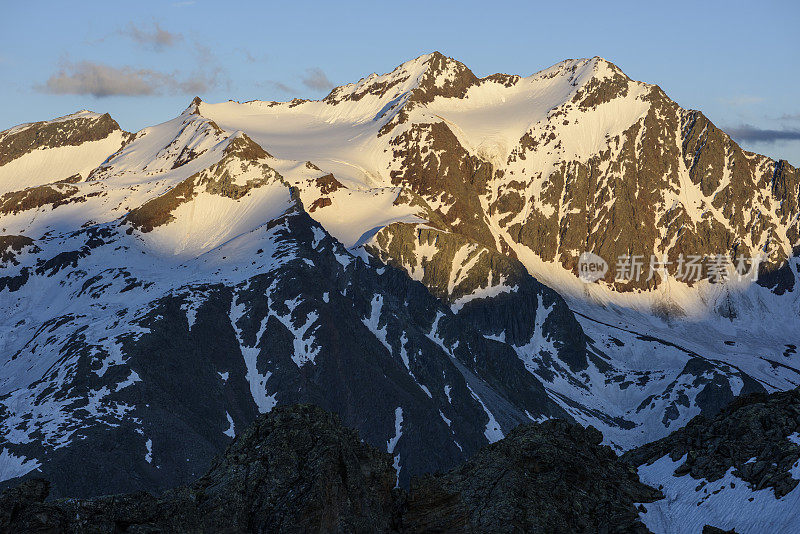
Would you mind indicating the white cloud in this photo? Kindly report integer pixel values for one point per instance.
(101, 80)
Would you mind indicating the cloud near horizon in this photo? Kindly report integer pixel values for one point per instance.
(101, 80)
(742, 100)
(283, 87)
(317, 80)
(753, 134)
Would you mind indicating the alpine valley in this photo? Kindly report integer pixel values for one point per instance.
(404, 253)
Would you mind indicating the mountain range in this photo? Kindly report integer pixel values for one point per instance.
(404, 252)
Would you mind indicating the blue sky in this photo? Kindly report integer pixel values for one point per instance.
(739, 62)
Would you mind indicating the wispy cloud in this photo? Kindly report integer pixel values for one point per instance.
(285, 88)
(753, 134)
(101, 80)
(742, 100)
(790, 117)
(249, 56)
(317, 80)
(154, 37)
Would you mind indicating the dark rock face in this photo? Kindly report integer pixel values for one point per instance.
(751, 435)
(11, 245)
(708, 529)
(430, 363)
(550, 477)
(615, 202)
(430, 160)
(295, 470)
(298, 470)
(53, 195)
(450, 273)
(19, 141)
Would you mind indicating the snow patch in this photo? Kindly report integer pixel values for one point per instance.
(231, 432)
(492, 432)
(12, 466)
(727, 503)
(392, 443)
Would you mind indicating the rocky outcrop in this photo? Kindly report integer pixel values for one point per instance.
(294, 470)
(430, 160)
(241, 156)
(53, 195)
(297, 469)
(550, 477)
(71, 130)
(11, 245)
(757, 435)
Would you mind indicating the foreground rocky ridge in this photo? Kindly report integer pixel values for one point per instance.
(298, 470)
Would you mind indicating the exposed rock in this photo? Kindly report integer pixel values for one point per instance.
(294, 470)
(549, 477)
(297, 469)
(241, 155)
(756, 435)
(708, 529)
(11, 245)
(19, 141)
(55, 195)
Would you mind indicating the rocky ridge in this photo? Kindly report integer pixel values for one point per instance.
(297, 469)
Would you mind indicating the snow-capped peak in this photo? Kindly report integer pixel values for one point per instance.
(426, 75)
(194, 107)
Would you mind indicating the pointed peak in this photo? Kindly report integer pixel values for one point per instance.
(424, 72)
(433, 62)
(605, 68)
(194, 106)
(80, 114)
(242, 146)
(443, 76)
(438, 60)
(595, 67)
(600, 81)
